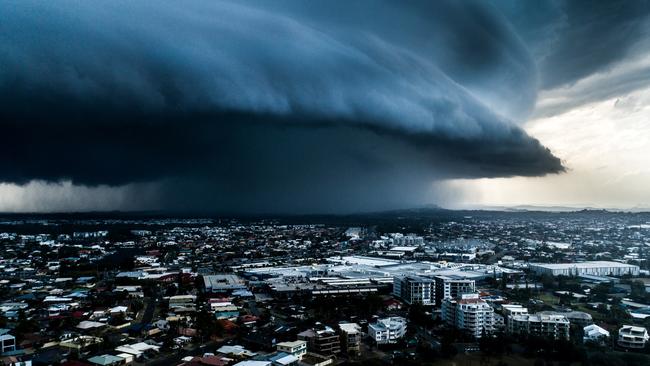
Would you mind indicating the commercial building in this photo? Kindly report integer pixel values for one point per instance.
(552, 326)
(223, 283)
(452, 287)
(598, 268)
(633, 337)
(387, 330)
(468, 313)
(414, 289)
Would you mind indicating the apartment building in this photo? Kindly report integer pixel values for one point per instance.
(552, 326)
(513, 309)
(633, 337)
(452, 287)
(323, 340)
(414, 289)
(387, 330)
(468, 313)
(350, 337)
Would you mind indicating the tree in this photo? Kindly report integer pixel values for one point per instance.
(637, 291)
(547, 281)
(25, 325)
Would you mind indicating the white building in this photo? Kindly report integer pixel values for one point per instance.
(542, 325)
(513, 309)
(469, 313)
(295, 348)
(414, 289)
(630, 336)
(597, 268)
(447, 287)
(387, 330)
(594, 333)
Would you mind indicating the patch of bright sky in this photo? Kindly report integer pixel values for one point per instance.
(605, 145)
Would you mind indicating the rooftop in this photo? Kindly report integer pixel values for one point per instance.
(594, 264)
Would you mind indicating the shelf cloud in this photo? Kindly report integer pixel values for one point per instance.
(266, 106)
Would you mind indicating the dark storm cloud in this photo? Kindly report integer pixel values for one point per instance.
(572, 39)
(265, 106)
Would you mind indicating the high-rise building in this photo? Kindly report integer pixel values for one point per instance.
(414, 289)
(468, 313)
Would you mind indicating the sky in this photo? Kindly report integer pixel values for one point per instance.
(322, 107)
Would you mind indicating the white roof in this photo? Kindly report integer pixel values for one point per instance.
(141, 346)
(632, 329)
(287, 360)
(350, 328)
(234, 350)
(594, 264)
(129, 350)
(291, 343)
(136, 348)
(594, 331)
(403, 249)
(87, 324)
(253, 363)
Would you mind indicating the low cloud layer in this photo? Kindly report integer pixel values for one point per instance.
(266, 106)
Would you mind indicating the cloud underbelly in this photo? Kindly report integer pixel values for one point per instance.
(252, 104)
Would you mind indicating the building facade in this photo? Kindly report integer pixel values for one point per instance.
(7, 343)
(452, 287)
(350, 337)
(323, 340)
(388, 330)
(414, 289)
(632, 337)
(551, 326)
(468, 313)
(594, 333)
(597, 268)
(295, 348)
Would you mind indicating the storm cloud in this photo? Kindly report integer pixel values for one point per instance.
(572, 40)
(266, 106)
